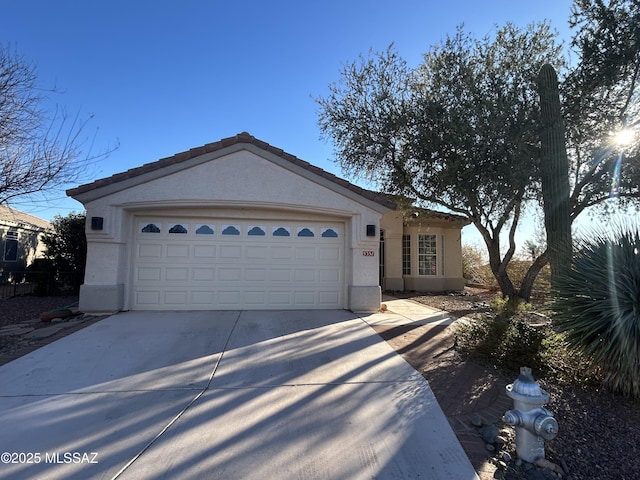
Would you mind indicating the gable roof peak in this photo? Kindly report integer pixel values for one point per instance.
(240, 138)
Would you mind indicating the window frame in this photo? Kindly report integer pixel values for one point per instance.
(427, 255)
(406, 254)
(11, 238)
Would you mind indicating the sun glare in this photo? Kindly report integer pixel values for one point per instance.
(624, 137)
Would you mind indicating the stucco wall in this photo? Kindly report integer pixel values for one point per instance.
(240, 182)
(449, 251)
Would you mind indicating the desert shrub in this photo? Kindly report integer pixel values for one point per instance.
(509, 342)
(517, 269)
(505, 306)
(597, 303)
(66, 246)
(42, 272)
(473, 265)
(505, 342)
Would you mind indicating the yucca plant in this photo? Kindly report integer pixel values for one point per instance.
(597, 302)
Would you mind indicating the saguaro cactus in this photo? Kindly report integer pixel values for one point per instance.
(554, 168)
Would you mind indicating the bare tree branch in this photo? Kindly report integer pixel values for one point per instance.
(40, 151)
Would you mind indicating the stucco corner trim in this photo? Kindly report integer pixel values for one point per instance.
(365, 299)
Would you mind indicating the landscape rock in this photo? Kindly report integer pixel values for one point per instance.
(49, 316)
(548, 465)
(534, 474)
(476, 420)
(489, 433)
(500, 440)
(13, 330)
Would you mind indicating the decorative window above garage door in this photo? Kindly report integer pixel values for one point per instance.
(204, 230)
(281, 232)
(178, 228)
(256, 231)
(151, 228)
(230, 230)
(306, 232)
(186, 229)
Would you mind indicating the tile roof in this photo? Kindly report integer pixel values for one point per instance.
(14, 217)
(240, 138)
(449, 217)
(407, 204)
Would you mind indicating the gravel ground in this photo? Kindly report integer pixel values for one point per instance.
(25, 309)
(21, 309)
(599, 433)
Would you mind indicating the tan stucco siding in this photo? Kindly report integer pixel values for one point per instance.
(448, 258)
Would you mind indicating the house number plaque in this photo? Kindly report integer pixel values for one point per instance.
(368, 253)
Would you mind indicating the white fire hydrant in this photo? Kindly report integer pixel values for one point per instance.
(533, 423)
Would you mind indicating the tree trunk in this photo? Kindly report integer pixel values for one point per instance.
(554, 169)
(526, 287)
(499, 270)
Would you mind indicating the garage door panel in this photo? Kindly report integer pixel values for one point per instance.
(176, 299)
(147, 298)
(176, 274)
(255, 274)
(328, 298)
(254, 298)
(254, 264)
(280, 253)
(330, 254)
(149, 274)
(233, 274)
(279, 275)
(202, 298)
(233, 252)
(279, 298)
(178, 251)
(204, 251)
(203, 274)
(257, 253)
(305, 275)
(329, 276)
(150, 251)
(230, 298)
(305, 253)
(304, 298)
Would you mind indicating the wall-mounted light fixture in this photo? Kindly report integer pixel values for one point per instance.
(97, 223)
(371, 230)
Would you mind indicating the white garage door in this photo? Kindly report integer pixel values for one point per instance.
(202, 264)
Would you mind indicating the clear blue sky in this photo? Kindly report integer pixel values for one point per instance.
(162, 76)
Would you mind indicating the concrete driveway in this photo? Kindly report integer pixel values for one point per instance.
(229, 395)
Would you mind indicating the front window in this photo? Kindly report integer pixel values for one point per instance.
(406, 254)
(11, 246)
(427, 255)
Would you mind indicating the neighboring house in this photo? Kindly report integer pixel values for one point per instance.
(20, 241)
(236, 224)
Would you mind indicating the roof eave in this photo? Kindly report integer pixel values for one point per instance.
(149, 171)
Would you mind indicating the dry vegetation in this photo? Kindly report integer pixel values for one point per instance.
(599, 431)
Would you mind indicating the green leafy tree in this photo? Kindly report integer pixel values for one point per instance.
(66, 246)
(600, 97)
(460, 131)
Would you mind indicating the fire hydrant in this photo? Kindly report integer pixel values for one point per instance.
(533, 423)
